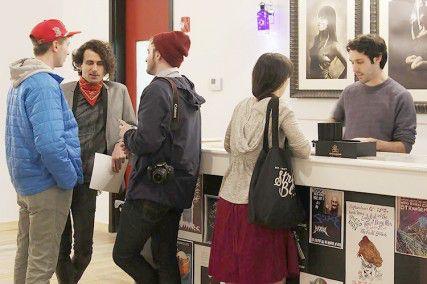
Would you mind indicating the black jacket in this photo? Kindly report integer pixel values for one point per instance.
(154, 141)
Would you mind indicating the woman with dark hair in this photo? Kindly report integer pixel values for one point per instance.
(242, 252)
(326, 58)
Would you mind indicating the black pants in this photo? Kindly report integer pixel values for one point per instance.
(140, 220)
(83, 206)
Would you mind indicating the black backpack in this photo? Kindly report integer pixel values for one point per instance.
(273, 201)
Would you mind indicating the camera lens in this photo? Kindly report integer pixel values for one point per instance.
(159, 175)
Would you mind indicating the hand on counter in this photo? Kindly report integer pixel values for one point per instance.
(366, 139)
(385, 146)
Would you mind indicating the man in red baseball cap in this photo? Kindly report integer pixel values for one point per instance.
(167, 145)
(50, 42)
(43, 152)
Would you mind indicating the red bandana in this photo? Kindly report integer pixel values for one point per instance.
(90, 91)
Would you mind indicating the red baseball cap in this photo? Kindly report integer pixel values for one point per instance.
(50, 30)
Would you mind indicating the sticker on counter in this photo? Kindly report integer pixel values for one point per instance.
(411, 226)
(209, 217)
(190, 225)
(369, 243)
(326, 217)
(201, 264)
(305, 278)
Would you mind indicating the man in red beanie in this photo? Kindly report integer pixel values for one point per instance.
(167, 145)
(43, 152)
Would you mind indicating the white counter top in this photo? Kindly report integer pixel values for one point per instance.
(387, 173)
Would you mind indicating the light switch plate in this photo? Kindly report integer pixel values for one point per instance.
(215, 84)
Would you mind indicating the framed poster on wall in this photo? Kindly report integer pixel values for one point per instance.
(404, 22)
(320, 31)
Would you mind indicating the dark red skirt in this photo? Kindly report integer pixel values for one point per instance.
(245, 253)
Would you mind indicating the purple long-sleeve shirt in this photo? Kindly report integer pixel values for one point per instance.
(384, 112)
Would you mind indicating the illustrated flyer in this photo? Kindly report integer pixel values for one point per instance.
(411, 226)
(369, 243)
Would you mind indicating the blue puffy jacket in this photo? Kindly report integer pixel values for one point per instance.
(42, 145)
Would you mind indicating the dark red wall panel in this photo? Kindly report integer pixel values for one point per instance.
(144, 18)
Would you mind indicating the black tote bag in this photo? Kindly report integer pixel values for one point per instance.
(273, 201)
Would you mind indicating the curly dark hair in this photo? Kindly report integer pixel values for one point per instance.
(371, 45)
(103, 49)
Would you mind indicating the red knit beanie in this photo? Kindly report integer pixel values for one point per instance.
(173, 46)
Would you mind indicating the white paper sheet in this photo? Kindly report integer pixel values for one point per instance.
(305, 278)
(103, 177)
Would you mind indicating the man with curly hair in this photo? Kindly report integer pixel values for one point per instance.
(97, 105)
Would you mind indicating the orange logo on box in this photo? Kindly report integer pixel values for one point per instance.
(335, 151)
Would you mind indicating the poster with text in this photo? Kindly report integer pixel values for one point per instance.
(305, 278)
(201, 264)
(369, 243)
(190, 225)
(411, 226)
(185, 255)
(209, 217)
(326, 217)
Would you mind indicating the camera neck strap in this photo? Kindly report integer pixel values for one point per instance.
(175, 102)
(175, 114)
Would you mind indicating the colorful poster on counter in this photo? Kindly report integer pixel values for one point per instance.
(369, 244)
(201, 264)
(190, 225)
(411, 226)
(184, 254)
(305, 278)
(326, 217)
(206, 278)
(210, 214)
(301, 239)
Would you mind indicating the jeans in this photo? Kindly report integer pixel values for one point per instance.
(140, 220)
(42, 219)
(70, 270)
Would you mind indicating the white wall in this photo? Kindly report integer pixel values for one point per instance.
(17, 18)
(226, 43)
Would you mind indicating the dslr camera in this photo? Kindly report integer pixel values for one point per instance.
(160, 172)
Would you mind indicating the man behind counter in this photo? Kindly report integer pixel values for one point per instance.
(376, 108)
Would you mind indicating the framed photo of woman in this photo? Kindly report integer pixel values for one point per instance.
(404, 22)
(320, 31)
